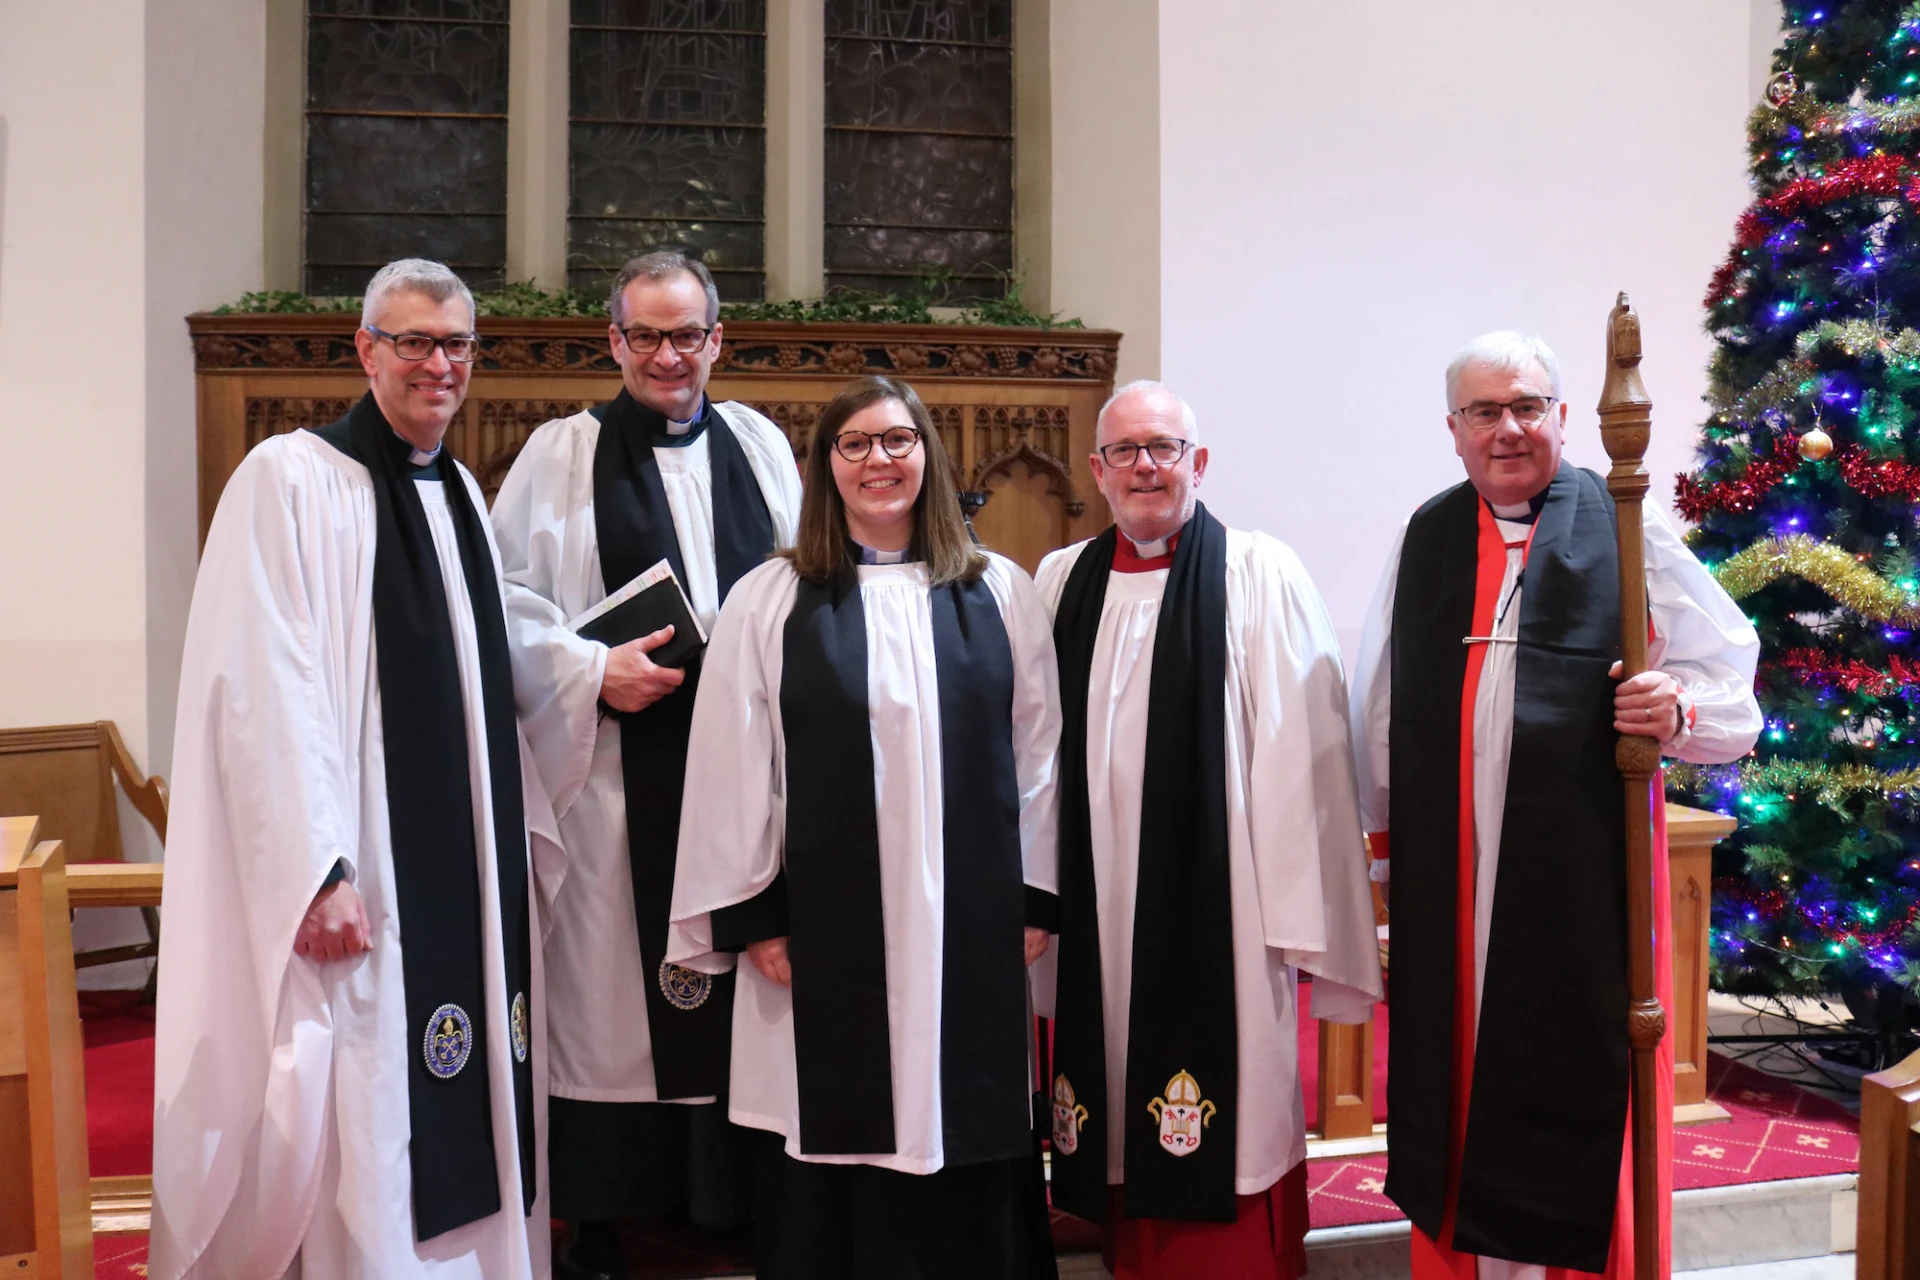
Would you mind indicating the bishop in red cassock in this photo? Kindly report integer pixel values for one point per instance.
(1486, 704)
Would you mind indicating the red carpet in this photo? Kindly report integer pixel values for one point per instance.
(1776, 1131)
(118, 1028)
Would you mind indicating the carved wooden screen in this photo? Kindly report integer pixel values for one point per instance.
(1016, 407)
(919, 146)
(667, 141)
(406, 139)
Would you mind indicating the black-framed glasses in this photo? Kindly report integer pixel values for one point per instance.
(644, 342)
(898, 442)
(461, 348)
(1484, 415)
(1165, 452)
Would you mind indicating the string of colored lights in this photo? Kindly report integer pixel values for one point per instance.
(1878, 174)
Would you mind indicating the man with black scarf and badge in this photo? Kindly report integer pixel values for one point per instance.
(640, 1047)
(1209, 848)
(349, 1059)
(1486, 703)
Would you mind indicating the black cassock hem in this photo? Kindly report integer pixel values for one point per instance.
(641, 1160)
(966, 1222)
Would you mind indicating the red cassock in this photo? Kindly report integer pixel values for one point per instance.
(1267, 1242)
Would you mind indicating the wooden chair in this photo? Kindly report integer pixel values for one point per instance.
(65, 775)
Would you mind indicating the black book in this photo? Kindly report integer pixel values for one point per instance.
(651, 601)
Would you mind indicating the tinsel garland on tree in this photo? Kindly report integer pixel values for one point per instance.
(1807, 500)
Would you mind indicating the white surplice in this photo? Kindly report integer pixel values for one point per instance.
(550, 554)
(1296, 863)
(1700, 638)
(281, 1125)
(733, 834)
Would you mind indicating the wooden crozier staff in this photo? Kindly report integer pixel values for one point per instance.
(1626, 423)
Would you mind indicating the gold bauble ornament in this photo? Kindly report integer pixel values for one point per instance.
(1815, 445)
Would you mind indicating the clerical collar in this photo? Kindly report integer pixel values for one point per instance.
(419, 457)
(1143, 557)
(869, 556)
(1520, 512)
(663, 433)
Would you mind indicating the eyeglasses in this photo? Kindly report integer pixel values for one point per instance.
(1165, 452)
(644, 342)
(1484, 415)
(898, 442)
(461, 349)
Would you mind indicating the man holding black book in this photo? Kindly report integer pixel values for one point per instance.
(595, 501)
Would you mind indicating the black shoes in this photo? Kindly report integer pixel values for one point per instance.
(592, 1252)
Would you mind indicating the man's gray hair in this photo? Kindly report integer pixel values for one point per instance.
(1508, 352)
(414, 275)
(658, 265)
(1140, 386)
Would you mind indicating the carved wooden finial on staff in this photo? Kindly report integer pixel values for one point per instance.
(1626, 425)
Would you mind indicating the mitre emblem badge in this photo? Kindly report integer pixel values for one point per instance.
(1068, 1116)
(1182, 1114)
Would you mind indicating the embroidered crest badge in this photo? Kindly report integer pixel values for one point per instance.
(1182, 1114)
(685, 988)
(517, 1025)
(448, 1042)
(1068, 1116)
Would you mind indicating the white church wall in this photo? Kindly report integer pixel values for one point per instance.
(73, 365)
(205, 100)
(1349, 192)
(1105, 256)
(130, 194)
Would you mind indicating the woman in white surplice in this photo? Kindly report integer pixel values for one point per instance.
(877, 833)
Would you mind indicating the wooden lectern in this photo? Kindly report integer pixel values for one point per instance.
(46, 1224)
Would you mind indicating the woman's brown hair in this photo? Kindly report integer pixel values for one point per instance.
(940, 536)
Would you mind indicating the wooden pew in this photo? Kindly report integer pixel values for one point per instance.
(46, 1227)
(1889, 1222)
(1347, 1053)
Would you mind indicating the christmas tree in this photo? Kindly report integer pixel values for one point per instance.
(1805, 499)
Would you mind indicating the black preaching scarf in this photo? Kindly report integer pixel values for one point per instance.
(837, 940)
(1181, 1019)
(423, 720)
(1541, 1166)
(689, 1014)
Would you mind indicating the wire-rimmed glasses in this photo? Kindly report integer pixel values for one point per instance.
(1484, 415)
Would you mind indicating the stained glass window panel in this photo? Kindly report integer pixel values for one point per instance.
(667, 138)
(919, 145)
(406, 138)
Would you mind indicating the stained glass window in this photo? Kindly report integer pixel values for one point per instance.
(919, 145)
(667, 138)
(406, 139)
